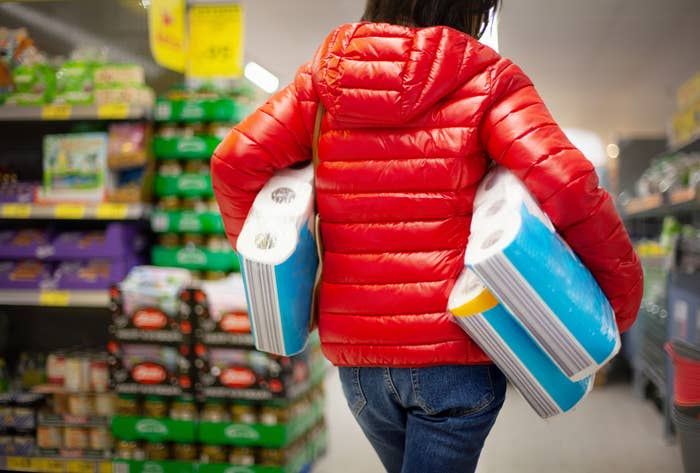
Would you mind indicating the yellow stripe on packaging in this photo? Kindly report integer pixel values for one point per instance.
(478, 305)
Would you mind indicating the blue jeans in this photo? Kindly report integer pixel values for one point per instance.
(426, 420)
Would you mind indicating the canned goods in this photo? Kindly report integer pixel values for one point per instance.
(214, 411)
(104, 404)
(169, 240)
(213, 454)
(100, 438)
(48, 436)
(127, 405)
(99, 375)
(183, 408)
(193, 239)
(75, 438)
(79, 405)
(243, 413)
(185, 452)
(242, 456)
(155, 406)
(157, 451)
(272, 415)
(56, 368)
(73, 373)
(126, 450)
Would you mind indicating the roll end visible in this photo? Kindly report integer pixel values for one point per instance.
(469, 296)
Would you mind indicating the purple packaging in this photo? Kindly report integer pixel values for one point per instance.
(17, 192)
(92, 274)
(30, 274)
(28, 243)
(117, 241)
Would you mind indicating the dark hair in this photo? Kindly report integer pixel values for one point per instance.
(469, 16)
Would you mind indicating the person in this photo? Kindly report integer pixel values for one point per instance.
(416, 110)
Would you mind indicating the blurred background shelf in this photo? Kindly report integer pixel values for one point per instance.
(58, 298)
(118, 111)
(103, 211)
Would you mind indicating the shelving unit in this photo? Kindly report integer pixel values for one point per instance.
(70, 211)
(660, 205)
(54, 112)
(51, 298)
(54, 465)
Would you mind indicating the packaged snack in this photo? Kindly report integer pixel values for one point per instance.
(75, 82)
(119, 74)
(127, 145)
(75, 167)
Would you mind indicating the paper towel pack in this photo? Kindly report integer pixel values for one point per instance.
(515, 251)
(543, 385)
(278, 258)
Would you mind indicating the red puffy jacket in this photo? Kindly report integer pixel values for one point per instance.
(414, 117)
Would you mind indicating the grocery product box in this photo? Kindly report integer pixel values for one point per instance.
(242, 373)
(146, 306)
(26, 274)
(91, 274)
(75, 167)
(153, 429)
(150, 369)
(221, 315)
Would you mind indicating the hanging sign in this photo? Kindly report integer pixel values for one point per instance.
(167, 33)
(215, 41)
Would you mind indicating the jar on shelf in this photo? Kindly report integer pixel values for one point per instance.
(273, 415)
(156, 451)
(48, 436)
(185, 452)
(243, 413)
(183, 408)
(155, 406)
(128, 405)
(242, 456)
(169, 240)
(171, 202)
(192, 239)
(213, 454)
(79, 405)
(170, 168)
(214, 410)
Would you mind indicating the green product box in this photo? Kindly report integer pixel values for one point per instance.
(260, 435)
(185, 147)
(200, 110)
(196, 258)
(184, 185)
(141, 466)
(34, 84)
(74, 82)
(153, 430)
(186, 221)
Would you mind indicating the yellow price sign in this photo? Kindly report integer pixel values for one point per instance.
(56, 112)
(105, 467)
(79, 466)
(166, 33)
(16, 210)
(113, 111)
(19, 463)
(48, 466)
(54, 298)
(110, 211)
(216, 41)
(69, 211)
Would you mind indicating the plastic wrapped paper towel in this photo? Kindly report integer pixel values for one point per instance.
(279, 262)
(515, 251)
(543, 385)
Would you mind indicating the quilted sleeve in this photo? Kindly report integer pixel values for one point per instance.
(274, 137)
(520, 134)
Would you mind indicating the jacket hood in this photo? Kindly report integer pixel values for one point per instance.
(382, 74)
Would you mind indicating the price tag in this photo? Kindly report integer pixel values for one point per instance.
(69, 211)
(48, 466)
(220, 54)
(56, 112)
(79, 466)
(114, 111)
(106, 467)
(112, 211)
(54, 298)
(19, 463)
(16, 210)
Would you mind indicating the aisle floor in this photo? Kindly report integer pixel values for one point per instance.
(612, 431)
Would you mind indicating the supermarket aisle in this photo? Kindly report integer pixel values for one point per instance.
(620, 434)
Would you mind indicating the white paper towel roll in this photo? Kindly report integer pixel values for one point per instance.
(534, 273)
(543, 385)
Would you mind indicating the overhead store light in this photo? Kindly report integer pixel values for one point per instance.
(261, 77)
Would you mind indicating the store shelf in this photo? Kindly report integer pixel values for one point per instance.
(104, 211)
(60, 298)
(54, 465)
(688, 147)
(660, 205)
(53, 112)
